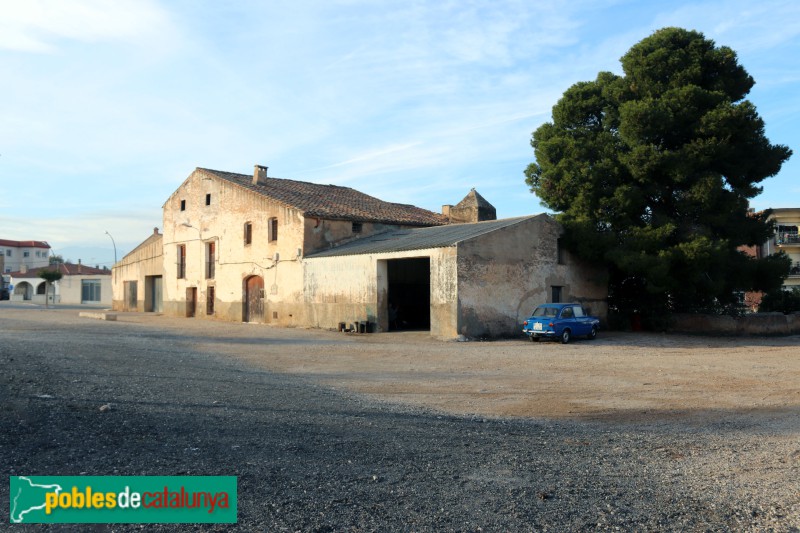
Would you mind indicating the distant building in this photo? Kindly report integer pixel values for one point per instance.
(139, 277)
(79, 284)
(18, 255)
(786, 239)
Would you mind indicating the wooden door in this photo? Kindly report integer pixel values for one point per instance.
(158, 294)
(191, 301)
(254, 299)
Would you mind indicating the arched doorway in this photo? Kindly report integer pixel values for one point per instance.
(23, 289)
(40, 290)
(253, 299)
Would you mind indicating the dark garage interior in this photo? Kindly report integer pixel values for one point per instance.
(409, 294)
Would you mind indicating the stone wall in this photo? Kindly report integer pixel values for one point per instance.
(754, 324)
(354, 288)
(505, 274)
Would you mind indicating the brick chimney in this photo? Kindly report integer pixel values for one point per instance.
(79, 266)
(260, 175)
(155, 231)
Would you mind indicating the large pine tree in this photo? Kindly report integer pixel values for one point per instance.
(652, 171)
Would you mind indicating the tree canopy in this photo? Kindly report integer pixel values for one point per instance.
(50, 277)
(651, 173)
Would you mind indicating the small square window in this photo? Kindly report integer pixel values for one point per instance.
(183, 205)
(357, 227)
(26, 254)
(208, 199)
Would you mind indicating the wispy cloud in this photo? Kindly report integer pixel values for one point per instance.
(128, 227)
(748, 27)
(112, 104)
(37, 25)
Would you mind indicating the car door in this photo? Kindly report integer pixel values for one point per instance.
(566, 321)
(583, 324)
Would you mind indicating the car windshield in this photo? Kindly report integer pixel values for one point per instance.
(545, 311)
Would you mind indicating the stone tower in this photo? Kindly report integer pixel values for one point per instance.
(473, 208)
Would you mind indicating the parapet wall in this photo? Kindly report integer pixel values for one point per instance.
(755, 324)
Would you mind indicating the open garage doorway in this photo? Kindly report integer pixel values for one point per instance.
(409, 294)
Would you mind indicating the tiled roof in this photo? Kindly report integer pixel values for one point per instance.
(419, 238)
(24, 244)
(66, 269)
(333, 201)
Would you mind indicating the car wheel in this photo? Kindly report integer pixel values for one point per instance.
(565, 336)
(593, 335)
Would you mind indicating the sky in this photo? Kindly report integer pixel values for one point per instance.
(106, 107)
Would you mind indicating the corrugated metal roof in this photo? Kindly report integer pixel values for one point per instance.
(419, 238)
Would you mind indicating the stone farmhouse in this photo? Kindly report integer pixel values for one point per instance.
(290, 253)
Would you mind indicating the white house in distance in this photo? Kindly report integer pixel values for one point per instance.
(21, 254)
(78, 285)
(254, 248)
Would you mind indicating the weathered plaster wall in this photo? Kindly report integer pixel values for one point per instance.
(354, 288)
(444, 292)
(503, 275)
(145, 260)
(341, 289)
(223, 222)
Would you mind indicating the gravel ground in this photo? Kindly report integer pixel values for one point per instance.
(317, 453)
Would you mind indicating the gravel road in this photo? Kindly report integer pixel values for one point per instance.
(204, 398)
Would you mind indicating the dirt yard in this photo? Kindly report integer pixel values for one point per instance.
(619, 376)
(329, 431)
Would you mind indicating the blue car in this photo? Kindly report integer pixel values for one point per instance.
(560, 321)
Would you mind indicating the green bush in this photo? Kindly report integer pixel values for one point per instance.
(782, 301)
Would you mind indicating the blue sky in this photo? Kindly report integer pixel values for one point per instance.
(106, 107)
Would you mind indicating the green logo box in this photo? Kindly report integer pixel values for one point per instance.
(123, 499)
